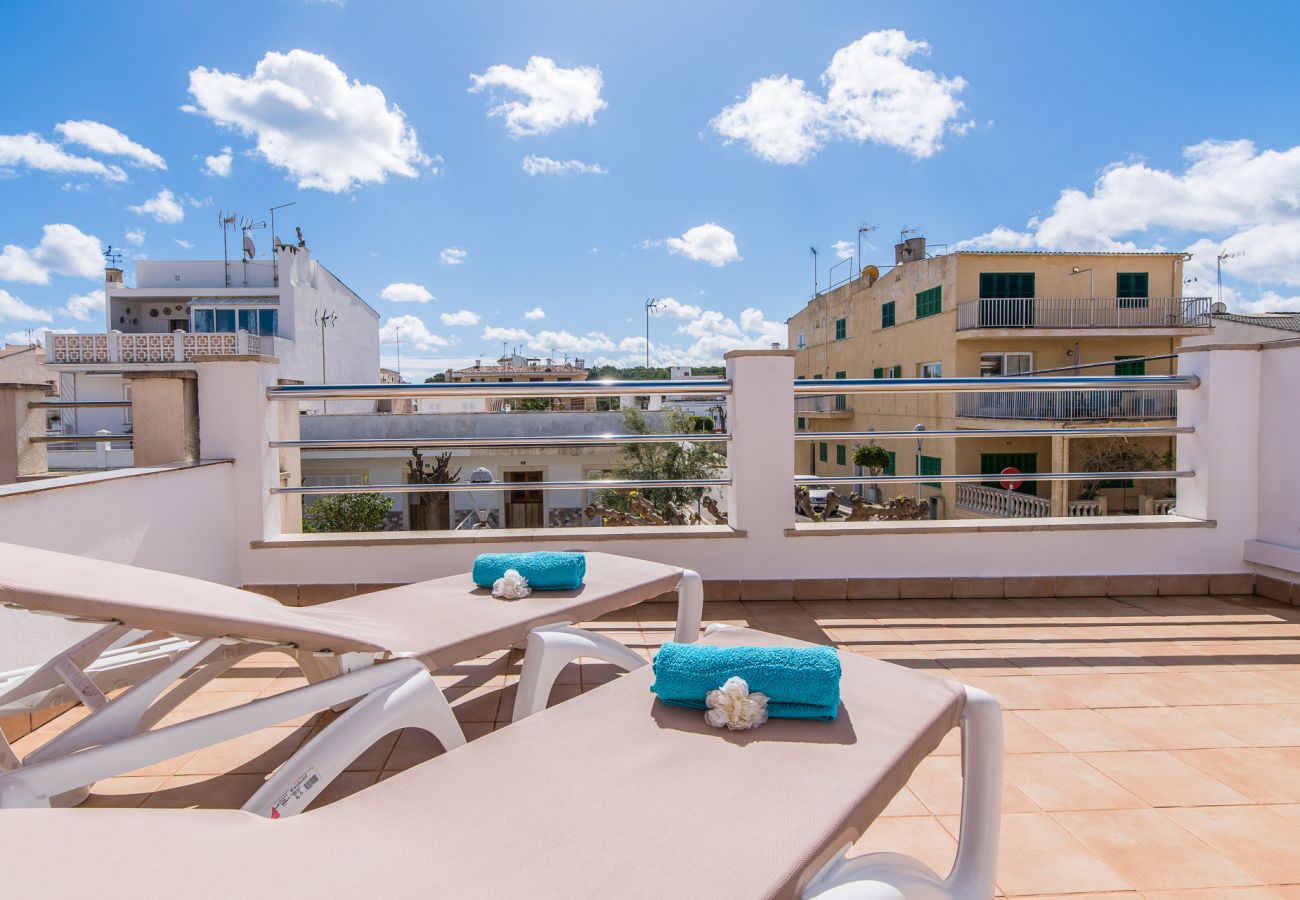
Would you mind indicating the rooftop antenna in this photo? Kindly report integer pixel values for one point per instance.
(226, 223)
(324, 318)
(864, 229)
(247, 227)
(813, 251)
(902, 235)
(651, 304)
(275, 244)
(1218, 269)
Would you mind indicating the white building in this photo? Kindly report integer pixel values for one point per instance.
(181, 309)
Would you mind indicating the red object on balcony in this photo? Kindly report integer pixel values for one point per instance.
(1007, 483)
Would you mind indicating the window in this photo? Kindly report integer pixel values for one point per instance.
(821, 451)
(800, 377)
(1007, 284)
(892, 468)
(994, 364)
(896, 372)
(225, 320)
(841, 457)
(1132, 290)
(931, 465)
(1137, 365)
(929, 370)
(801, 342)
(887, 314)
(1006, 299)
(877, 372)
(801, 423)
(994, 463)
(841, 400)
(219, 320)
(841, 329)
(929, 303)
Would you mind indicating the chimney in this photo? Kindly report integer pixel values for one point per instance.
(112, 275)
(909, 250)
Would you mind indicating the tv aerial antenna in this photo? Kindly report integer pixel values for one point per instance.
(246, 228)
(864, 229)
(227, 223)
(1218, 270)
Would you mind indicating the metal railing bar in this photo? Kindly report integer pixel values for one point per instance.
(79, 404)
(1027, 476)
(86, 438)
(1009, 383)
(1136, 431)
(603, 388)
(465, 487)
(570, 440)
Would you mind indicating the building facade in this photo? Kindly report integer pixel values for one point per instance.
(993, 314)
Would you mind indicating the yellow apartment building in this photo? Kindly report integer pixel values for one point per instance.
(985, 313)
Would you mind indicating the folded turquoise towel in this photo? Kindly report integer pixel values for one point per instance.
(545, 570)
(800, 682)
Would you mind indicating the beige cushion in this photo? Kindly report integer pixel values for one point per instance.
(609, 794)
(442, 621)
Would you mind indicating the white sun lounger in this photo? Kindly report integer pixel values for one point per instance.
(609, 794)
(413, 630)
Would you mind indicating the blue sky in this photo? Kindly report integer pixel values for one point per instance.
(577, 158)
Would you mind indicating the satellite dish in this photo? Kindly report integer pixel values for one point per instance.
(871, 273)
(249, 250)
(1219, 308)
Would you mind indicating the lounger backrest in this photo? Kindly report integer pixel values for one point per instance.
(27, 640)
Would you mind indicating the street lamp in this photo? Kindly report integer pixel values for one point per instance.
(1078, 271)
(651, 305)
(918, 429)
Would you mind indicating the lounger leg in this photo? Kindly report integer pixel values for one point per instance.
(690, 607)
(550, 649)
(893, 876)
(416, 702)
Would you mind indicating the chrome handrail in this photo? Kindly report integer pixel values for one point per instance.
(85, 438)
(975, 384)
(1019, 476)
(602, 388)
(79, 404)
(572, 440)
(465, 487)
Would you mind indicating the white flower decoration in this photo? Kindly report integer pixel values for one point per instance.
(511, 586)
(733, 706)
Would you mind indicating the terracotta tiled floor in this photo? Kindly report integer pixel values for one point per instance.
(1153, 743)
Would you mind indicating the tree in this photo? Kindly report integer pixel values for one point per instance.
(436, 379)
(669, 460)
(873, 458)
(346, 512)
(1120, 454)
(432, 511)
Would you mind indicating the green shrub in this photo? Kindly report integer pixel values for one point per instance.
(872, 458)
(347, 512)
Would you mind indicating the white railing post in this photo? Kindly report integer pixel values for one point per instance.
(1225, 411)
(760, 456)
(178, 346)
(113, 355)
(101, 449)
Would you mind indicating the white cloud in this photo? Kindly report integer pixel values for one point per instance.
(552, 342)
(34, 152)
(843, 249)
(497, 333)
(1228, 195)
(219, 164)
(14, 310)
(85, 307)
(106, 139)
(186, 245)
(460, 318)
(405, 292)
(710, 243)
(669, 306)
(535, 313)
(135, 236)
(554, 96)
(164, 208)
(872, 94)
(307, 118)
(452, 256)
(544, 165)
(413, 333)
(63, 250)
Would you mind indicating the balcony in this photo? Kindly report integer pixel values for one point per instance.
(1146, 666)
(1139, 405)
(1056, 313)
(174, 347)
(998, 503)
(824, 406)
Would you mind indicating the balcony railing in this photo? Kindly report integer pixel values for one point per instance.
(1084, 312)
(1070, 405)
(999, 503)
(830, 403)
(174, 347)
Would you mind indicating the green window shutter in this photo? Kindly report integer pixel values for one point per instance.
(1138, 367)
(929, 303)
(841, 374)
(898, 371)
(1132, 289)
(1007, 284)
(821, 451)
(892, 468)
(840, 456)
(887, 314)
(994, 463)
(801, 423)
(800, 377)
(877, 372)
(841, 329)
(931, 465)
(841, 400)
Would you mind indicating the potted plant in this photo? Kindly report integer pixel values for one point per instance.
(874, 460)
